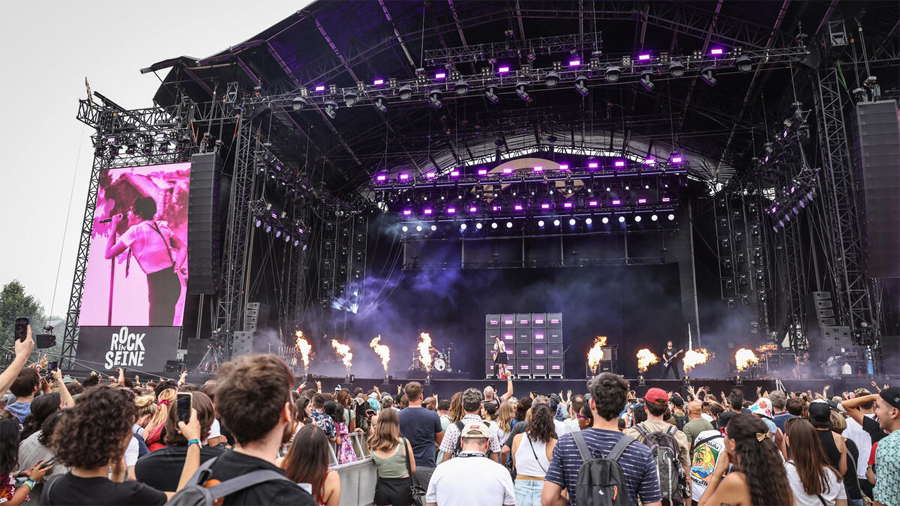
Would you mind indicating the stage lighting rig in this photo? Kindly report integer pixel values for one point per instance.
(708, 75)
(331, 109)
(581, 86)
(647, 80)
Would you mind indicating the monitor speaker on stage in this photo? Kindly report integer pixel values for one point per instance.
(490, 334)
(523, 336)
(539, 336)
(492, 321)
(204, 255)
(523, 351)
(877, 143)
(508, 321)
(523, 320)
(554, 320)
(538, 320)
(554, 336)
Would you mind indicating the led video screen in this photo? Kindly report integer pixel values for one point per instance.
(137, 264)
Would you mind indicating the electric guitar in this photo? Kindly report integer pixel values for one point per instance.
(666, 361)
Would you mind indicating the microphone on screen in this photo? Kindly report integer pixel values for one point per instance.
(111, 218)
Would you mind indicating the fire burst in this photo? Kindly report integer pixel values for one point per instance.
(693, 358)
(744, 358)
(645, 359)
(424, 347)
(595, 355)
(382, 350)
(767, 347)
(344, 351)
(304, 347)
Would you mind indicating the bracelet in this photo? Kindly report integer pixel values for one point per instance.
(29, 482)
(192, 441)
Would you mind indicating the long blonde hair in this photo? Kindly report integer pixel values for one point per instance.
(162, 413)
(145, 406)
(386, 433)
(507, 413)
(456, 410)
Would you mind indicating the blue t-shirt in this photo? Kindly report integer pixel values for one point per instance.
(420, 426)
(637, 464)
(20, 409)
(781, 418)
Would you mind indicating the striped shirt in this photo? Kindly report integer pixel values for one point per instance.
(638, 466)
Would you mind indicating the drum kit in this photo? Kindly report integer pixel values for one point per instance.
(440, 360)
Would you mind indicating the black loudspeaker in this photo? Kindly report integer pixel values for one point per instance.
(257, 316)
(523, 321)
(196, 349)
(508, 321)
(540, 351)
(204, 254)
(489, 335)
(492, 321)
(42, 341)
(540, 368)
(523, 335)
(877, 153)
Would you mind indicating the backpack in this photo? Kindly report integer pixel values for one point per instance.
(601, 481)
(459, 427)
(664, 450)
(680, 421)
(195, 493)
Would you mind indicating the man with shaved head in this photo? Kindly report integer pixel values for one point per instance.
(696, 423)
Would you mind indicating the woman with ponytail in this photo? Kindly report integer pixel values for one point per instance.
(814, 481)
(758, 477)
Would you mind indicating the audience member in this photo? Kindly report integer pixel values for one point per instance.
(696, 423)
(451, 444)
(679, 417)
(41, 409)
(779, 411)
(22, 350)
(573, 421)
(307, 462)
(422, 428)
(25, 386)
(833, 444)
(862, 438)
(852, 484)
(471, 478)
(887, 455)
(707, 446)
(390, 453)
(322, 420)
(345, 453)
(531, 453)
(813, 481)
(10, 491)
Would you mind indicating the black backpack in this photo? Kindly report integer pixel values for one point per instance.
(601, 481)
(195, 492)
(680, 421)
(664, 450)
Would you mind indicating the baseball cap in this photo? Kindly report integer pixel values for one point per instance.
(476, 430)
(891, 396)
(656, 396)
(820, 410)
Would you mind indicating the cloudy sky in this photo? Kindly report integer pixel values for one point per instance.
(47, 48)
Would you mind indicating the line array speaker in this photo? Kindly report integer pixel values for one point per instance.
(204, 254)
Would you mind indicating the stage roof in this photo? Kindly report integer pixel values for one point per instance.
(344, 42)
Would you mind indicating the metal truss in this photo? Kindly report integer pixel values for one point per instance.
(542, 264)
(792, 251)
(838, 188)
(577, 44)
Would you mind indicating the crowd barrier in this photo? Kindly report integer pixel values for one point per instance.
(357, 478)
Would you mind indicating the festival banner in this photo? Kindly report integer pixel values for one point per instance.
(136, 349)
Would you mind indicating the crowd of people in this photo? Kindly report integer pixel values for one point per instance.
(253, 432)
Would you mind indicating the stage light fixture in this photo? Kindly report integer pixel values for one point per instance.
(676, 68)
(654, 217)
(494, 225)
(588, 221)
(296, 242)
(708, 75)
(351, 98)
(434, 228)
(268, 228)
(555, 223)
(572, 222)
(418, 228)
(605, 220)
(258, 223)
(671, 217)
(509, 224)
(405, 228)
(461, 87)
(612, 74)
(541, 223)
(491, 93)
(463, 226)
(551, 79)
(744, 64)
(479, 225)
(621, 219)
(434, 96)
(381, 103)
(647, 80)
(287, 238)
(278, 233)
(405, 92)
(331, 109)
(581, 86)
(522, 91)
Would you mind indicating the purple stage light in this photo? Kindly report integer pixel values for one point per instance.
(320, 87)
(592, 165)
(666, 199)
(563, 167)
(427, 211)
(454, 173)
(574, 63)
(644, 57)
(381, 177)
(676, 159)
(507, 170)
(473, 209)
(407, 212)
(482, 172)
(518, 207)
(642, 201)
(451, 210)
(403, 177)
(617, 202)
(503, 70)
(545, 206)
(593, 203)
(620, 163)
(567, 205)
(440, 75)
(715, 51)
(378, 82)
(495, 208)
(539, 169)
(430, 175)
(649, 161)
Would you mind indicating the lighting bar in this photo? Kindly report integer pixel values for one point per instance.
(644, 57)
(378, 82)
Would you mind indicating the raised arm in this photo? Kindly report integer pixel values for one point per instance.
(509, 390)
(63, 390)
(23, 351)
(851, 406)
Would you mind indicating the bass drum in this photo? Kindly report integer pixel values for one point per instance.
(440, 365)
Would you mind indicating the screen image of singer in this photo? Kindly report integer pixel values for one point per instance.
(137, 263)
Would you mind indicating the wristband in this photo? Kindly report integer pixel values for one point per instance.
(29, 482)
(192, 441)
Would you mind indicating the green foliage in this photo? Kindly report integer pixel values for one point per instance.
(15, 303)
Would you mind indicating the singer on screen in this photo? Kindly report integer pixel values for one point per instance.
(159, 253)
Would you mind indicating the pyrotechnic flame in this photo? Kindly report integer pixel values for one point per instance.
(304, 347)
(645, 359)
(744, 357)
(344, 351)
(382, 350)
(424, 346)
(595, 355)
(693, 358)
(767, 347)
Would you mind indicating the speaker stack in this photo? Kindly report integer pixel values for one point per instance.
(533, 344)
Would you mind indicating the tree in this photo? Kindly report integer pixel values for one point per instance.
(15, 303)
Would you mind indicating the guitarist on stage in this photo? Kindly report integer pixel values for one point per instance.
(670, 359)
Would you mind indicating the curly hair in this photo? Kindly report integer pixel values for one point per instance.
(541, 427)
(759, 461)
(9, 446)
(522, 408)
(96, 430)
(41, 408)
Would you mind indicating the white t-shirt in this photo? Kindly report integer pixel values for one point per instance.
(833, 492)
(703, 460)
(560, 428)
(470, 481)
(215, 430)
(708, 417)
(863, 440)
(131, 453)
(149, 247)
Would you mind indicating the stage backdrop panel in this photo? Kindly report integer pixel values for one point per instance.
(137, 349)
(117, 291)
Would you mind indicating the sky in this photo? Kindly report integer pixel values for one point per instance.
(47, 48)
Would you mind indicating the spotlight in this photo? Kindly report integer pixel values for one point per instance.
(463, 226)
(621, 219)
(671, 217)
(654, 217)
(435, 97)
(351, 98)
(509, 224)
(588, 221)
(555, 223)
(605, 220)
(572, 222)
(551, 79)
(522, 91)
(479, 225)
(491, 93)
(418, 228)
(541, 223)
(405, 228)
(744, 64)
(331, 109)
(268, 228)
(433, 228)
(494, 225)
(381, 103)
(581, 86)
(708, 75)
(278, 233)
(287, 238)
(405, 93)
(612, 74)
(296, 242)
(676, 68)
(647, 80)
(299, 103)
(461, 87)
